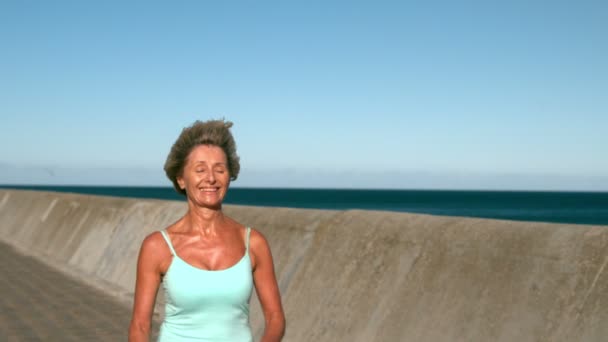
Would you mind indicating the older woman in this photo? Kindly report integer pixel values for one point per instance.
(208, 262)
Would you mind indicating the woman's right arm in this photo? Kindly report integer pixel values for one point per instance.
(146, 287)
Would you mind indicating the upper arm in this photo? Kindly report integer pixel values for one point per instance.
(264, 277)
(147, 279)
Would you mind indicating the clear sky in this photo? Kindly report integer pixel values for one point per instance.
(356, 94)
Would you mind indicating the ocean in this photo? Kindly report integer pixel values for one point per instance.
(560, 207)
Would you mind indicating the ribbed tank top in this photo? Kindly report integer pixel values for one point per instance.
(204, 305)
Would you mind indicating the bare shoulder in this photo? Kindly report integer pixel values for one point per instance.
(260, 249)
(153, 241)
(154, 249)
(257, 240)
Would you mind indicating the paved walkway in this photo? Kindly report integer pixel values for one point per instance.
(38, 303)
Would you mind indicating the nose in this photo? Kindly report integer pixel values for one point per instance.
(211, 177)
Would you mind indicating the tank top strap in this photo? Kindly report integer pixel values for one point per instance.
(166, 237)
(247, 239)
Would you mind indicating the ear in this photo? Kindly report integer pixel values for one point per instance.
(181, 183)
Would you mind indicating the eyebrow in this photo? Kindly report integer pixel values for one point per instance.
(204, 162)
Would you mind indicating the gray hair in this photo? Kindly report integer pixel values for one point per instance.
(212, 132)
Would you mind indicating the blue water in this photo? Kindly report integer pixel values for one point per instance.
(564, 207)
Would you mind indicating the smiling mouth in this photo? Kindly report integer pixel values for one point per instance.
(209, 189)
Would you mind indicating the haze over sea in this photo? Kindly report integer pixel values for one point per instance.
(561, 207)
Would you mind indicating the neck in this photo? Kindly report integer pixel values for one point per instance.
(205, 221)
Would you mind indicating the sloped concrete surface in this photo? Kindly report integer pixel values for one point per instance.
(355, 275)
(40, 303)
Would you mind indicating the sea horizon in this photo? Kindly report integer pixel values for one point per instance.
(578, 207)
(25, 186)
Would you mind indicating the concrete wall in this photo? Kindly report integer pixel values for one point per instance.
(357, 275)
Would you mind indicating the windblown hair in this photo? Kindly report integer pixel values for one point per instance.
(212, 132)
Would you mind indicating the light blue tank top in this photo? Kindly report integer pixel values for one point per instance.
(203, 305)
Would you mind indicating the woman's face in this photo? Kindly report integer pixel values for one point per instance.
(205, 177)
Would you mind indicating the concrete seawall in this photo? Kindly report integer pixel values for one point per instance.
(356, 275)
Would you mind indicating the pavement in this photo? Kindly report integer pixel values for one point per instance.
(40, 303)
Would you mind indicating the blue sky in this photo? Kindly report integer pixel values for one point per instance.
(355, 94)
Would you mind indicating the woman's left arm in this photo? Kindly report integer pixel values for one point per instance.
(267, 288)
